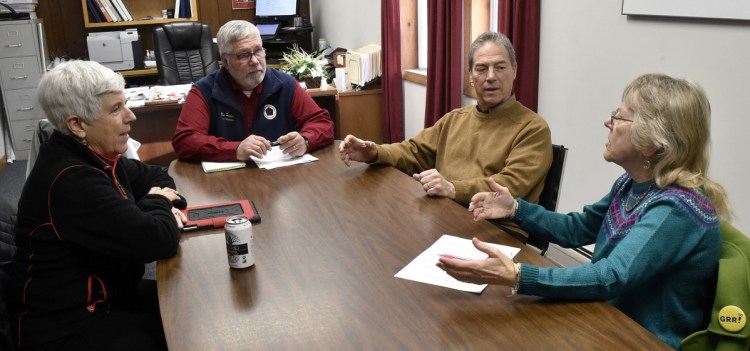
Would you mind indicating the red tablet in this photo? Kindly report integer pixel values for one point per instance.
(213, 216)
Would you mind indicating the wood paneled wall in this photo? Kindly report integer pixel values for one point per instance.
(66, 35)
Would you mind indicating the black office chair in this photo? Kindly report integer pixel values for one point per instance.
(184, 52)
(551, 192)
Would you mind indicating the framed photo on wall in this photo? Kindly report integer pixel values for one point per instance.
(243, 4)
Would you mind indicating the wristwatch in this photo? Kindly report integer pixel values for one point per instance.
(307, 144)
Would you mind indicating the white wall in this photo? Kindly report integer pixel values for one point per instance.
(589, 52)
(346, 24)
(414, 107)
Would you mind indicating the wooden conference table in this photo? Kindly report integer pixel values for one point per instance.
(328, 245)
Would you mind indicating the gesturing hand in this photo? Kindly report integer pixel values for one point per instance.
(496, 204)
(355, 149)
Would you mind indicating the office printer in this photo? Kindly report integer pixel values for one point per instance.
(119, 50)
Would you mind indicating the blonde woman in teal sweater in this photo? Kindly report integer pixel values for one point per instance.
(656, 232)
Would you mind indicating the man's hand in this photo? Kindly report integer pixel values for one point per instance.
(355, 149)
(293, 144)
(435, 184)
(253, 145)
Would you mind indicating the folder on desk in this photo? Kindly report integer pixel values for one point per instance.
(214, 215)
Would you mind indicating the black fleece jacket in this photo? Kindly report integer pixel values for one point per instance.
(85, 229)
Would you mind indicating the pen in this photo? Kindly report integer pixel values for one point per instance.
(453, 257)
(275, 143)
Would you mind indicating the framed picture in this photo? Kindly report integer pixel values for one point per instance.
(243, 4)
(720, 9)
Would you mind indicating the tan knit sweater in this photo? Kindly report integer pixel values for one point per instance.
(510, 143)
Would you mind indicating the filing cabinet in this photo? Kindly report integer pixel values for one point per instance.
(23, 60)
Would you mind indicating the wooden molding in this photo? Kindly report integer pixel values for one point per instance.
(408, 10)
(476, 22)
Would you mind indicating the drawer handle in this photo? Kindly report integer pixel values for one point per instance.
(19, 78)
(27, 140)
(14, 45)
(25, 109)
(29, 128)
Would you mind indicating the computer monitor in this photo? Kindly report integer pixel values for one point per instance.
(268, 30)
(276, 8)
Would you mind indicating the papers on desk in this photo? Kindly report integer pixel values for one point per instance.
(276, 158)
(423, 269)
(158, 94)
(210, 167)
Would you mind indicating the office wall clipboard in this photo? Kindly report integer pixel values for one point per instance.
(214, 215)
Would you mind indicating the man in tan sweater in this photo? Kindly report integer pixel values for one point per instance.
(498, 137)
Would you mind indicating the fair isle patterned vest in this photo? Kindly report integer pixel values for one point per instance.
(632, 198)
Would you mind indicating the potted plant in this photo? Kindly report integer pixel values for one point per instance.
(305, 67)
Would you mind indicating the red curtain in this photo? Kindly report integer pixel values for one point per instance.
(444, 55)
(519, 20)
(393, 91)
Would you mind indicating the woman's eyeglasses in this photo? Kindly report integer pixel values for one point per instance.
(614, 116)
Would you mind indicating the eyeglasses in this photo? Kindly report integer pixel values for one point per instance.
(614, 116)
(246, 56)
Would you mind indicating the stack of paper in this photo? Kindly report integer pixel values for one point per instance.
(276, 158)
(364, 64)
(423, 269)
(209, 167)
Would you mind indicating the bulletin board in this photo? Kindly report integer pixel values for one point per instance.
(721, 9)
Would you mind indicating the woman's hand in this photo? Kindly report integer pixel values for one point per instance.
(496, 204)
(172, 195)
(495, 269)
(179, 217)
(169, 193)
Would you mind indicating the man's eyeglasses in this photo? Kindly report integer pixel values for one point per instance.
(245, 56)
(614, 116)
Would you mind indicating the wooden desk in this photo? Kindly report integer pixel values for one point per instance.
(153, 128)
(330, 240)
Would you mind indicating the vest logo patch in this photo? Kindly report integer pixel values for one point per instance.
(226, 117)
(269, 111)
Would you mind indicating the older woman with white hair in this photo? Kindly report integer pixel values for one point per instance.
(656, 232)
(88, 220)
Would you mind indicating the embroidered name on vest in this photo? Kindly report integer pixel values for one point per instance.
(227, 117)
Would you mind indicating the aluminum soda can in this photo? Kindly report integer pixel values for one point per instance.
(239, 236)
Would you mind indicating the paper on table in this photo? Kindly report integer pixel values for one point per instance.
(423, 269)
(276, 158)
(209, 167)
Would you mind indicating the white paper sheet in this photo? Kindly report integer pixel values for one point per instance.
(423, 269)
(276, 158)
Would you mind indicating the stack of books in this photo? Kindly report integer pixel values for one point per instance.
(108, 11)
(101, 11)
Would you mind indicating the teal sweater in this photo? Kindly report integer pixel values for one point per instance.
(655, 259)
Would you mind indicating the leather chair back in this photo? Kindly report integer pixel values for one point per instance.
(551, 192)
(184, 52)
